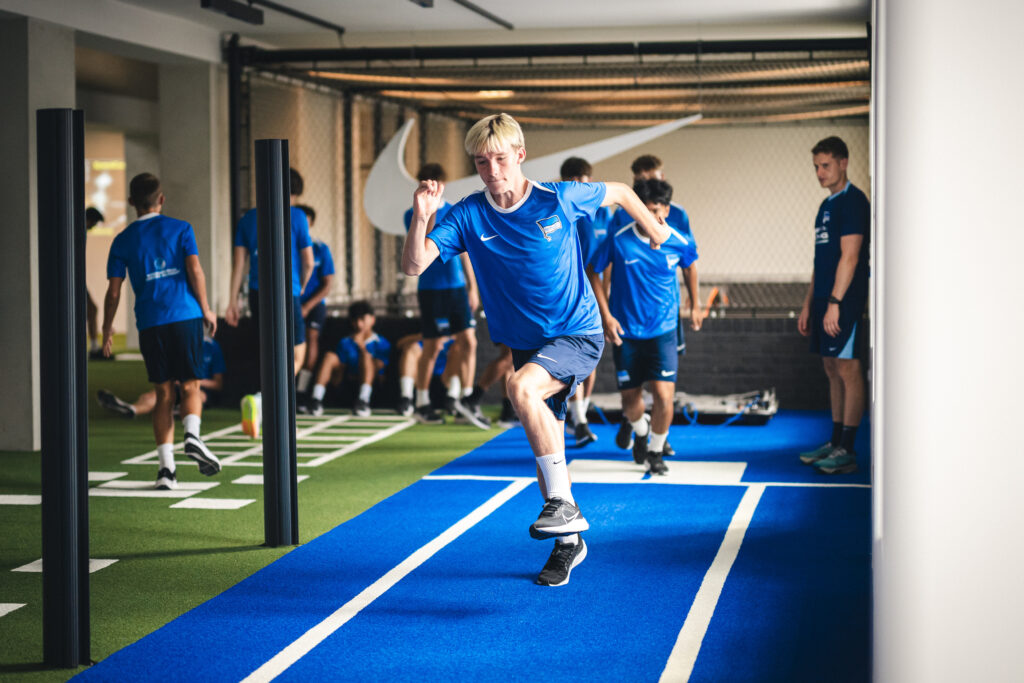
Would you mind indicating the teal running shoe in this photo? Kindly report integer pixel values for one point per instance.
(839, 461)
(817, 454)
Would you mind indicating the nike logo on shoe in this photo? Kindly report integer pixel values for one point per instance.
(489, 237)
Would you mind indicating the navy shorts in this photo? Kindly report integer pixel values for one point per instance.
(317, 316)
(298, 325)
(568, 359)
(851, 342)
(173, 351)
(641, 360)
(444, 311)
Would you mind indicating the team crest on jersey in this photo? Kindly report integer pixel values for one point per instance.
(549, 225)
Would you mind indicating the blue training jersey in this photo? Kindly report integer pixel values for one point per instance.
(847, 212)
(528, 260)
(593, 232)
(348, 351)
(246, 237)
(152, 252)
(323, 264)
(644, 289)
(439, 274)
(677, 218)
(213, 359)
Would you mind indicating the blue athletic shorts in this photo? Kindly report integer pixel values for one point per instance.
(173, 351)
(568, 359)
(298, 325)
(317, 316)
(640, 360)
(852, 337)
(444, 311)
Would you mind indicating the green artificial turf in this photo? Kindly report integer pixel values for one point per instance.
(170, 560)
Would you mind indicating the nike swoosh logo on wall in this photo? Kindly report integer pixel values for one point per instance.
(389, 187)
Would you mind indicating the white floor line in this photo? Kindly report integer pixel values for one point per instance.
(147, 458)
(316, 635)
(684, 653)
(327, 457)
(26, 499)
(473, 477)
(8, 607)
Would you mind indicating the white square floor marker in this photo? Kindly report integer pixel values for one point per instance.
(679, 472)
(20, 500)
(213, 503)
(121, 488)
(37, 566)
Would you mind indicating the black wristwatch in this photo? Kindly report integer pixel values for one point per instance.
(833, 300)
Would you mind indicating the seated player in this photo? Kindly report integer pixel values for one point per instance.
(210, 385)
(358, 358)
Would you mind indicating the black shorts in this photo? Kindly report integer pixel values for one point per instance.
(317, 316)
(851, 342)
(298, 325)
(444, 312)
(173, 351)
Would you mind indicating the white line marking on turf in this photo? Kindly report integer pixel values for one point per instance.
(20, 500)
(8, 607)
(474, 477)
(213, 503)
(258, 479)
(326, 458)
(37, 566)
(316, 635)
(684, 653)
(106, 476)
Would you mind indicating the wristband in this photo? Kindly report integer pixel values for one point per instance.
(833, 300)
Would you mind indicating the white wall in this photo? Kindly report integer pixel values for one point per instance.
(948, 547)
(750, 191)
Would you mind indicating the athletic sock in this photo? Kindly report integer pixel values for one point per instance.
(191, 424)
(837, 432)
(422, 397)
(408, 387)
(318, 392)
(640, 427)
(165, 451)
(94, 345)
(556, 476)
(571, 539)
(455, 388)
(365, 391)
(467, 392)
(657, 443)
(847, 438)
(579, 412)
(303, 380)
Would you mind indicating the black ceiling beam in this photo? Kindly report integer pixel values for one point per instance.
(309, 18)
(255, 55)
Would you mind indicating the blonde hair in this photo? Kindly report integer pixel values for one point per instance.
(491, 133)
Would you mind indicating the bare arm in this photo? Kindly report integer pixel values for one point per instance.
(803, 323)
(651, 227)
(239, 267)
(318, 294)
(197, 281)
(216, 383)
(471, 286)
(612, 328)
(849, 246)
(110, 303)
(690, 278)
(419, 252)
(307, 262)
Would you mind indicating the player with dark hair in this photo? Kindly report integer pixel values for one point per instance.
(641, 319)
(359, 358)
(160, 257)
(835, 301)
(314, 306)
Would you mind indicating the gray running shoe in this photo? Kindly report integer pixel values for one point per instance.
(655, 465)
(561, 562)
(558, 518)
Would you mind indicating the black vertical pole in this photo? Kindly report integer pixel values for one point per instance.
(277, 341)
(62, 375)
(235, 126)
(348, 191)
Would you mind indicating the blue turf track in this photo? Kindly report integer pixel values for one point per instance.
(796, 605)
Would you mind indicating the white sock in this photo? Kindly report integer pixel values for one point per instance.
(640, 427)
(468, 391)
(94, 345)
(579, 412)
(365, 391)
(408, 386)
(165, 451)
(556, 476)
(657, 443)
(422, 397)
(455, 387)
(303, 380)
(318, 391)
(571, 539)
(191, 424)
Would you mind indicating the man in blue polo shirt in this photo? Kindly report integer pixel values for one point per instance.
(641, 319)
(521, 238)
(314, 307)
(447, 295)
(160, 257)
(246, 256)
(835, 301)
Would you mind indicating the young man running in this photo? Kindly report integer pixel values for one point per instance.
(520, 236)
(160, 257)
(835, 302)
(642, 319)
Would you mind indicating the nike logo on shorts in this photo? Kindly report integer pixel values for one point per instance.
(667, 373)
(489, 237)
(541, 355)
